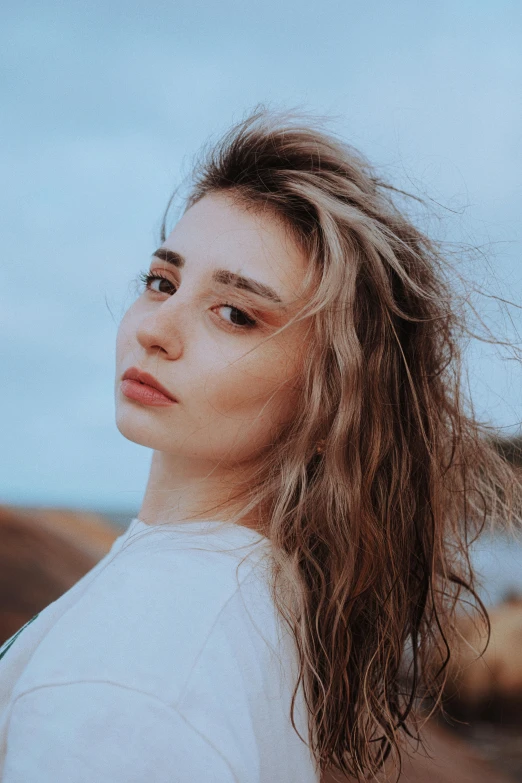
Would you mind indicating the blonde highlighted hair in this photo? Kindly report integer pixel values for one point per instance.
(371, 531)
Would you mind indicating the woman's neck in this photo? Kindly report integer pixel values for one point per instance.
(181, 490)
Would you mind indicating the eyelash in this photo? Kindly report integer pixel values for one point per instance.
(147, 278)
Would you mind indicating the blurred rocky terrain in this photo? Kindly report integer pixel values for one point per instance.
(43, 552)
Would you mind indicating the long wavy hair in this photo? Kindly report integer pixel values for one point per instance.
(372, 530)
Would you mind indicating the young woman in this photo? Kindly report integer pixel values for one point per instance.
(289, 587)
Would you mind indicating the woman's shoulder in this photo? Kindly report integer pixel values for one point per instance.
(151, 611)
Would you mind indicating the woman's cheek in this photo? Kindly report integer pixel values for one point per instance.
(247, 384)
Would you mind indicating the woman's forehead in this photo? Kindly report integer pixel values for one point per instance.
(218, 232)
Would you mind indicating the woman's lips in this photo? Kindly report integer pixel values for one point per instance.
(147, 395)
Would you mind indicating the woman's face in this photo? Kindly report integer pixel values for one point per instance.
(202, 333)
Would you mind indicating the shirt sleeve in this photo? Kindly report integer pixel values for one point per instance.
(94, 731)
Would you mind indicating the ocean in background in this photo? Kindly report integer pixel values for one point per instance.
(120, 519)
(498, 563)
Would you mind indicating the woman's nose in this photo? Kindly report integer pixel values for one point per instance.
(160, 329)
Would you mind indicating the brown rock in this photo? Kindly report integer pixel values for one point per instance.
(489, 686)
(43, 553)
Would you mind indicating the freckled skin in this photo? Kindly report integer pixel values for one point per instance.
(235, 388)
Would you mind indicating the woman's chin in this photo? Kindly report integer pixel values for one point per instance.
(134, 430)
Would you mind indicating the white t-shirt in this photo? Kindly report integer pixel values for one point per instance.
(161, 664)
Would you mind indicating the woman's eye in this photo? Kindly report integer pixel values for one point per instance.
(149, 279)
(235, 318)
(238, 318)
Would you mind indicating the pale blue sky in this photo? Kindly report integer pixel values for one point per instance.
(104, 104)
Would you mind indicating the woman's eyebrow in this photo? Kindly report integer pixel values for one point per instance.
(223, 276)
